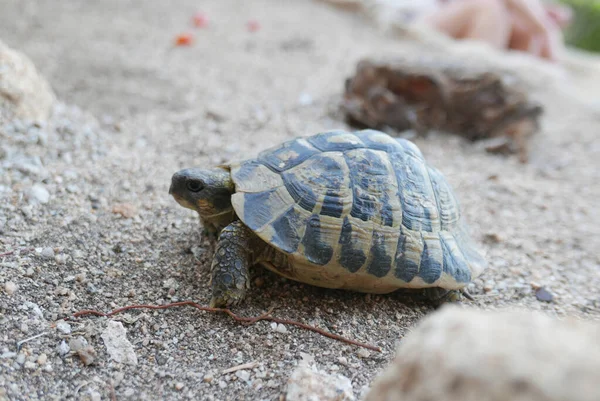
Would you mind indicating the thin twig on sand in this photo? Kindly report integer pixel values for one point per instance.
(246, 320)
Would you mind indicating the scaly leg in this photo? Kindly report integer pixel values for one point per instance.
(441, 296)
(230, 276)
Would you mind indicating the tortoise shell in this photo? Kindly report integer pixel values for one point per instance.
(360, 211)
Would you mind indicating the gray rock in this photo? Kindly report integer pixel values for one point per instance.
(63, 348)
(118, 346)
(469, 355)
(47, 253)
(63, 327)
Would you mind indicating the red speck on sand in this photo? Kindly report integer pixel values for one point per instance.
(184, 39)
(200, 20)
(253, 26)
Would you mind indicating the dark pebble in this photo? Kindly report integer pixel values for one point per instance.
(544, 295)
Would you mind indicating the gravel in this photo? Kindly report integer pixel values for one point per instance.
(133, 110)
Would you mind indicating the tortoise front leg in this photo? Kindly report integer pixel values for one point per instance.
(230, 276)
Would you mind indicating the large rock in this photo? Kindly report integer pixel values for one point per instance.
(24, 93)
(471, 355)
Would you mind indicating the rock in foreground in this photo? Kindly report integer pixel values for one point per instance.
(471, 355)
(24, 93)
(307, 383)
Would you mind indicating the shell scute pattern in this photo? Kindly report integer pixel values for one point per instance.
(405, 266)
(374, 187)
(336, 141)
(430, 268)
(363, 203)
(287, 155)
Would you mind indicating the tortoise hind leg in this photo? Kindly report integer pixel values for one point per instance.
(440, 296)
(230, 275)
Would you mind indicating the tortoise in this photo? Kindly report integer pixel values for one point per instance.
(359, 211)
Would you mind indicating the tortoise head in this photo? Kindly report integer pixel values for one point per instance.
(207, 191)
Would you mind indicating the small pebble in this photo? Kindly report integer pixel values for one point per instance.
(243, 375)
(63, 348)
(222, 384)
(29, 272)
(42, 359)
(91, 288)
(63, 327)
(118, 378)
(208, 378)
(47, 253)
(126, 210)
(179, 386)
(363, 353)
(10, 287)
(281, 329)
(30, 365)
(544, 295)
(38, 194)
(21, 359)
(72, 188)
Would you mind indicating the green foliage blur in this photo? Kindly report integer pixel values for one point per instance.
(584, 30)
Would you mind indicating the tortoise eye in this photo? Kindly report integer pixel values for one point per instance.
(195, 186)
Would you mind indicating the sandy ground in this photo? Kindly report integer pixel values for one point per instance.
(154, 109)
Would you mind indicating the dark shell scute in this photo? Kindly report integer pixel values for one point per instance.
(335, 141)
(257, 208)
(286, 226)
(381, 262)
(247, 171)
(316, 250)
(454, 265)
(447, 205)
(405, 268)
(352, 257)
(332, 205)
(300, 191)
(430, 268)
(288, 155)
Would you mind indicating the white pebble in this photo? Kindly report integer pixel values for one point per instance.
(10, 287)
(63, 348)
(47, 253)
(63, 327)
(243, 375)
(222, 384)
(363, 353)
(38, 194)
(42, 359)
(281, 329)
